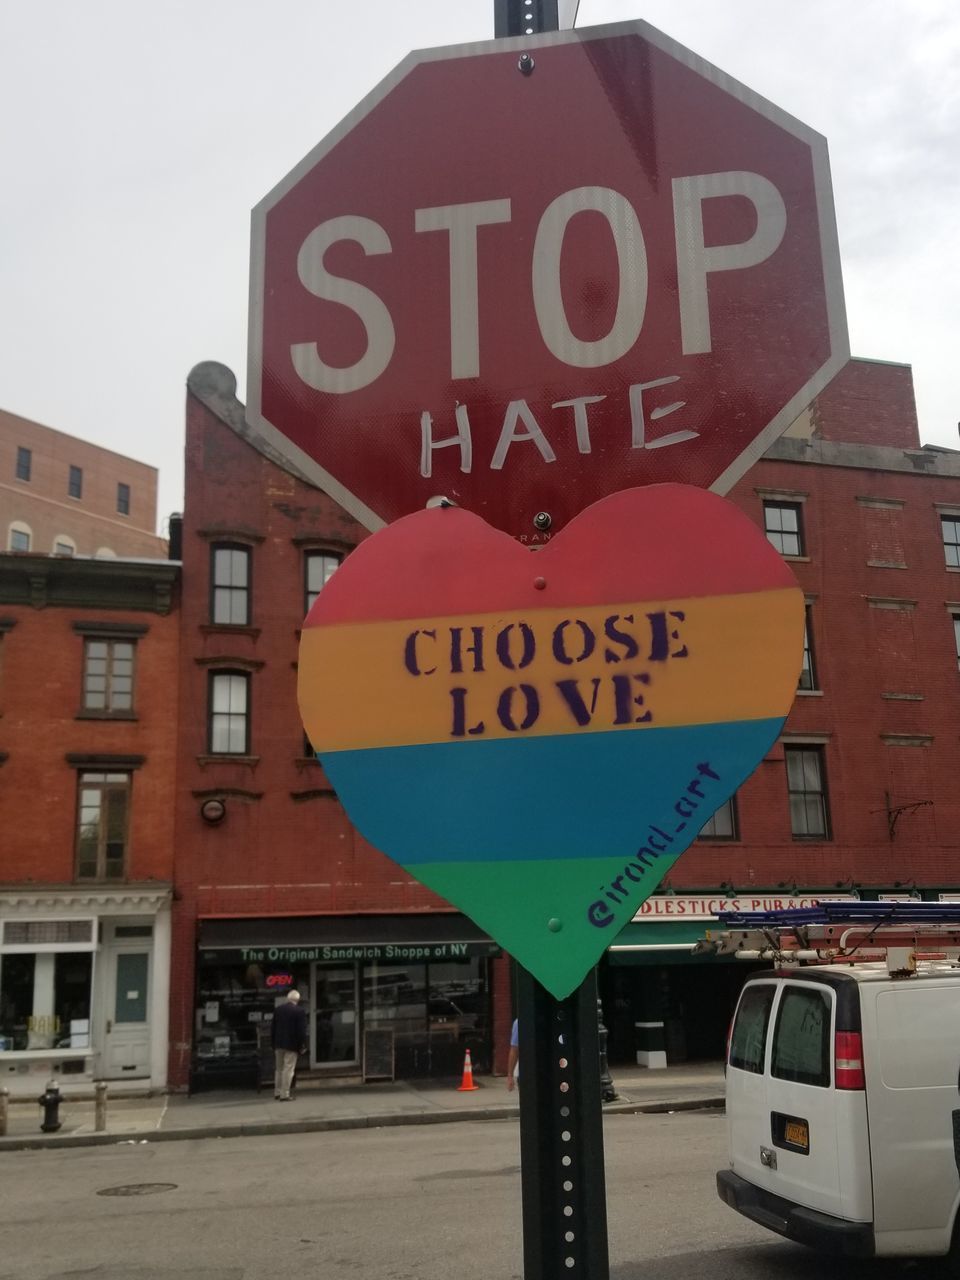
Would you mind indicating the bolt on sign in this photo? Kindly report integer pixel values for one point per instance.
(524, 274)
(539, 737)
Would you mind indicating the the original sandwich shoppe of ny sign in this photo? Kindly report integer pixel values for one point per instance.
(538, 736)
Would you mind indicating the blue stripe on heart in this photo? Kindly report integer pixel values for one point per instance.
(582, 782)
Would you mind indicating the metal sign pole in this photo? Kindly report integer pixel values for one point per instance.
(561, 1134)
(530, 17)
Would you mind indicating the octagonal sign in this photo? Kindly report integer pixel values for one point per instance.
(525, 274)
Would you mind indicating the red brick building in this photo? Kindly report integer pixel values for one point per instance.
(275, 887)
(859, 796)
(88, 670)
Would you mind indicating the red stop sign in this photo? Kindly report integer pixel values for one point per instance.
(527, 273)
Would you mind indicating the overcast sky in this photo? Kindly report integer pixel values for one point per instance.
(136, 138)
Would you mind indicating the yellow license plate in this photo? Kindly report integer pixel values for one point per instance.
(797, 1134)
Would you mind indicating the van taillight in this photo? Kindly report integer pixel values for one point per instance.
(848, 1056)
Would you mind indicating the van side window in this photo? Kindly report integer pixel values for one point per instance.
(750, 1028)
(801, 1040)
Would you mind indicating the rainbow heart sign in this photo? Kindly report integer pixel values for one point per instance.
(537, 736)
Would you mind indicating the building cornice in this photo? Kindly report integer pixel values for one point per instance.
(129, 899)
(925, 461)
(87, 583)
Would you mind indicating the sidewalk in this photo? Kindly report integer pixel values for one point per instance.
(337, 1105)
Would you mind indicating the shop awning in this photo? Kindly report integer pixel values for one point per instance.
(437, 937)
(659, 941)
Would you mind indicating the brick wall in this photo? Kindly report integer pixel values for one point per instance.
(869, 402)
(890, 702)
(41, 666)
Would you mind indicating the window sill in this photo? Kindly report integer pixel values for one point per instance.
(812, 839)
(229, 629)
(795, 559)
(24, 1055)
(250, 762)
(106, 715)
(809, 693)
(886, 564)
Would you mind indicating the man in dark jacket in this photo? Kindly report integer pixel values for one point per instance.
(289, 1035)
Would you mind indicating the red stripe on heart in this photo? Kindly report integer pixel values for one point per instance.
(665, 542)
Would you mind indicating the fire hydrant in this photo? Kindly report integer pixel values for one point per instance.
(50, 1101)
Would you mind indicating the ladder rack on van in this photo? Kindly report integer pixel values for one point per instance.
(900, 935)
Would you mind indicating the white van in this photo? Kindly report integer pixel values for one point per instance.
(843, 1110)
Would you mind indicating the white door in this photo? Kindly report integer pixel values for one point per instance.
(748, 1123)
(126, 1041)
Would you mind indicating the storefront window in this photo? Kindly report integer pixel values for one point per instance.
(436, 1010)
(235, 1004)
(45, 1000)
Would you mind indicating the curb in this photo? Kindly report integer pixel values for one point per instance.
(264, 1128)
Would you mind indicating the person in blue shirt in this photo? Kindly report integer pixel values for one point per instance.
(513, 1058)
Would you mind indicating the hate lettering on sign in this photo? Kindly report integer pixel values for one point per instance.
(521, 425)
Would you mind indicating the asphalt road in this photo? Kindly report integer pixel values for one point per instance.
(419, 1203)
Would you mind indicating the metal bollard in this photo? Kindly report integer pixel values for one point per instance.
(50, 1101)
(4, 1111)
(608, 1090)
(100, 1114)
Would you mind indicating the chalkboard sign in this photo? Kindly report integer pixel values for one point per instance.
(378, 1054)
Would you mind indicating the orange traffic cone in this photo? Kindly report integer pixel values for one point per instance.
(467, 1085)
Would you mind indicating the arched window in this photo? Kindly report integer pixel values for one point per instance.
(64, 545)
(19, 536)
(106, 553)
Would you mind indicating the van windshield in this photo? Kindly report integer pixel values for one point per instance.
(801, 1041)
(750, 1028)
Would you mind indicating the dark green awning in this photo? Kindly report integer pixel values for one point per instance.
(661, 942)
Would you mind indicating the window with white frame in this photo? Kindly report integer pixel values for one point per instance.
(46, 971)
(230, 585)
(950, 532)
(19, 536)
(229, 713)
